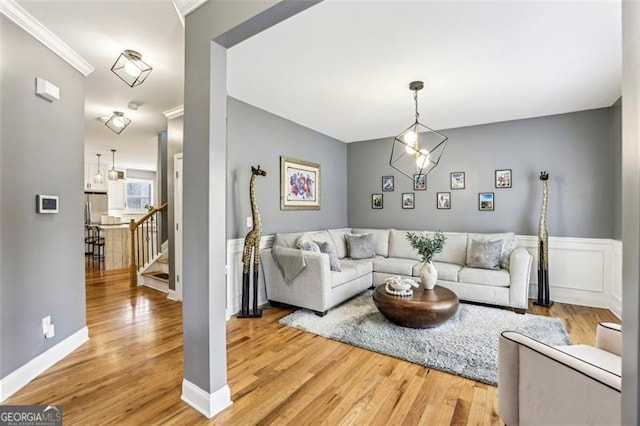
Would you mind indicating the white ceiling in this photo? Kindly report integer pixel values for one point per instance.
(99, 31)
(343, 67)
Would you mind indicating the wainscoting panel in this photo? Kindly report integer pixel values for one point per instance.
(234, 275)
(582, 271)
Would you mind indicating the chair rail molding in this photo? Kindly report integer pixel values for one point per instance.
(582, 271)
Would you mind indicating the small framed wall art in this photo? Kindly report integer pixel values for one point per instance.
(299, 184)
(408, 199)
(376, 201)
(457, 180)
(486, 201)
(387, 183)
(503, 178)
(419, 182)
(443, 200)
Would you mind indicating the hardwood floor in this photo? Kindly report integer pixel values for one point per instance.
(130, 371)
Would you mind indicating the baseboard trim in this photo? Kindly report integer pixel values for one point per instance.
(32, 369)
(173, 295)
(208, 404)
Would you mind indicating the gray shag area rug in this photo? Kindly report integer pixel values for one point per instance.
(466, 345)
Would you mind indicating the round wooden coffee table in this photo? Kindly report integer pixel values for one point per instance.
(425, 309)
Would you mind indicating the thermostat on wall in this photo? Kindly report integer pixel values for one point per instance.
(47, 203)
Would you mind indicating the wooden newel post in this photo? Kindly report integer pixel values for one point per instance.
(133, 268)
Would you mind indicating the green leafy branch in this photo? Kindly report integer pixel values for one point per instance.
(426, 246)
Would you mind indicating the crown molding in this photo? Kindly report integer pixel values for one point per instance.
(174, 112)
(185, 7)
(24, 20)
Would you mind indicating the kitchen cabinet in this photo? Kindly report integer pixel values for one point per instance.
(116, 194)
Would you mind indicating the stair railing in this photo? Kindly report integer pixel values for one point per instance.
(145, 240)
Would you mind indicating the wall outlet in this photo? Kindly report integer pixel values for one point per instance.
(46, 324)
(249, 222)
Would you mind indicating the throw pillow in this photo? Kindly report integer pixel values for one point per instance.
(307, 245)
(485, 254)
(334, 263)
(508, 248)
(360, 246)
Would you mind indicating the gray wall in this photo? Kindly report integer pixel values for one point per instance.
(575, 149)
(616, 168)
(161, 181)
(41, 151)
(630, 209)
(174, 138)
(257, 137)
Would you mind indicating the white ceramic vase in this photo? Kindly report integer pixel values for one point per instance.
(428, 275)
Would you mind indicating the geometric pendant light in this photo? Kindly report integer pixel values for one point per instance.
(98, 178)
(113, 173)
(130, 68)
(417, 149)
(118, 122)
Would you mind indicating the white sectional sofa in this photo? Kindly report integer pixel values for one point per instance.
(313, 285)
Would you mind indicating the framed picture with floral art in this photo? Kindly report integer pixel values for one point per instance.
(419, 182)
(299, 184)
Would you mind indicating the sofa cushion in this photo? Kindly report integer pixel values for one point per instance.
(283, 239)
(485, 254)
(351, 269)
(325, 247)
(499, 278)
(446, 271)
(455, 248)
(380, 239)
(320, 236)
(395, 265)
(360, 246)
(306, 244)
(399, 246)
(508, 248)
(488, 237)
(339, 242)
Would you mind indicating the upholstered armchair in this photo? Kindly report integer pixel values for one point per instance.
(540, 384)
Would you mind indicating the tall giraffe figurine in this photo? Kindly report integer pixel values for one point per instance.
(543, 247)
(252, 246)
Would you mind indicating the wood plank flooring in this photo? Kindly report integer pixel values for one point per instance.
(130, 371)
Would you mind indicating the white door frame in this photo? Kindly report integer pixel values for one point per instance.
(177, 218)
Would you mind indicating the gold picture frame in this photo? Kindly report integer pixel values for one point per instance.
(299, 184)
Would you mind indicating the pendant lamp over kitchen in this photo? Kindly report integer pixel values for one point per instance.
(113, 173)
(98, 177)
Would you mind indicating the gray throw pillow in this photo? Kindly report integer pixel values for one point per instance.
(485, 254)
(360, 246)
(508, 248)
(307, 245)
(334, 263)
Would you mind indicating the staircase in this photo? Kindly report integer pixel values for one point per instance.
(156, 275)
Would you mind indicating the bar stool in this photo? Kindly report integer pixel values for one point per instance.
(98, 245)
(89, 241)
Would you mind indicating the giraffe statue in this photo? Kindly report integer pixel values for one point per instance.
(543, 247)
(252, 246)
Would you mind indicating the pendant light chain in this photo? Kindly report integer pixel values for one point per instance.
(415, 97)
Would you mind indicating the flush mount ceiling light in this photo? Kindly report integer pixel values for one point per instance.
(98, 178)
(118, 122)
(113, 173)
(417, 150)
(130, 68)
